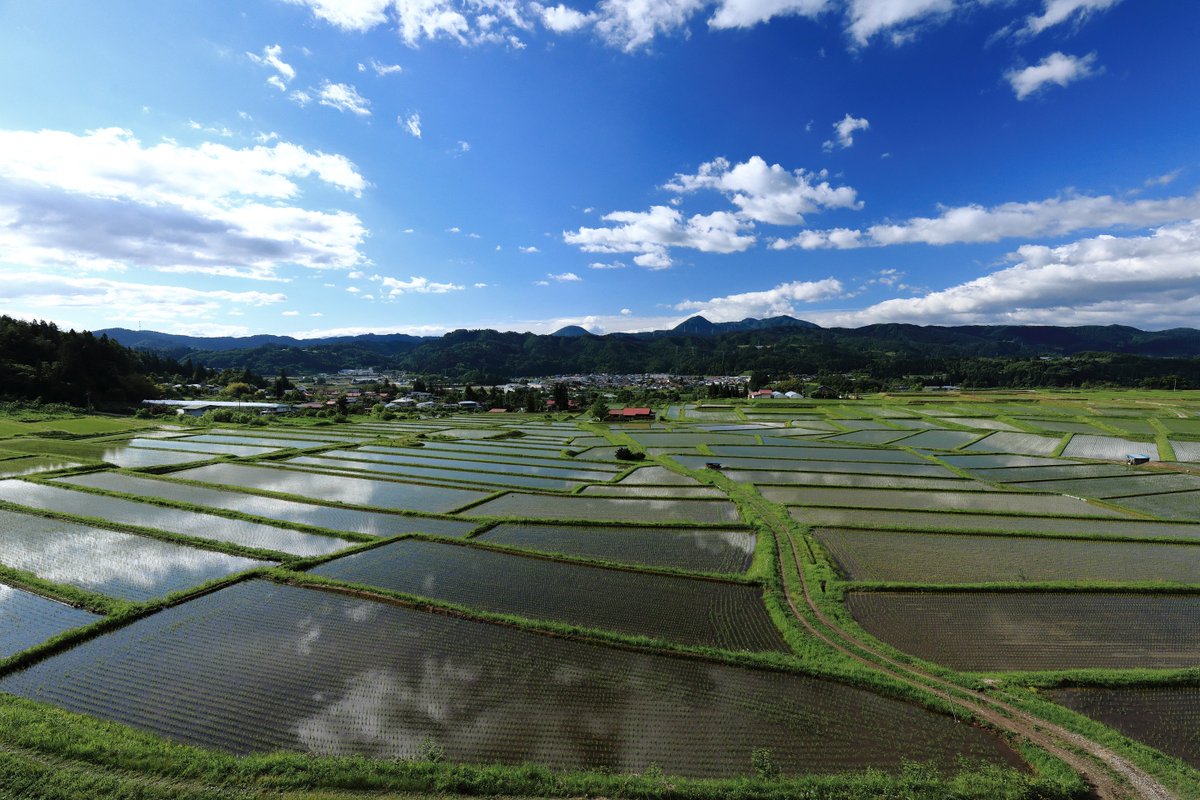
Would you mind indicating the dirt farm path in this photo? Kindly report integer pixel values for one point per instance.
(1111, 776)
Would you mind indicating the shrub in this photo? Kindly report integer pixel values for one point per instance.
(625, 454)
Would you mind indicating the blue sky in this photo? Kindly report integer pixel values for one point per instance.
(316, 167)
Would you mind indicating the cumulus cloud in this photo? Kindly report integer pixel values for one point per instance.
(105, 201)
(844, 131)
(343, 97)
(651, 233)
(349, 15)
(411, 124)
(561, 18)
(1056, 216)
(414, 285)
(271, 58)
(607, 265)
(765, 193)
(769, 303)
(633, 24)
(747, 13)
(1153, 279)
(868, 18)
(1056, 12)
(564, 277)
(42, 294)
(1056, 68)
(529, 249)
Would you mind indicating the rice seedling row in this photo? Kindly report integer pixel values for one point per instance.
(121, 565)
(981, 423)
(973, 461)
(1052, 473)
(171, 520)
(657, 476)
(1185, 451)
(951, 558)
(604, 509)
(689, 611)
(1021, 631)
(940, 440)
(684, 492)
(28, 619)
(1107, 447)
(335, 489)
(1059, 426)
(696, 549)
(869, 437)
(372, 523)
(534, 460)
(484, 693)
(1163, 717)
(785, 466)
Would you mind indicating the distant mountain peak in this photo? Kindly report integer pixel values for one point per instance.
(572, 331)
(700, 326)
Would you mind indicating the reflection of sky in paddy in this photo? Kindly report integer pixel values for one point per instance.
(131, 457)
(173, 520)
(285, 667)
(15, 468)
(116, 564)
(27, 619)
(342, 489)
(340, 519)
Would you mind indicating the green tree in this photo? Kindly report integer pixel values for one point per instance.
(598, 408)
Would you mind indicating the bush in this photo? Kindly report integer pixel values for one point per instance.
(625, 454)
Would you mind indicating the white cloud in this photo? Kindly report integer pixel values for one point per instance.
(271, 58)
(1056, 68)
(481, 286)
(564, 277)
(769, 303)
(1152, 281)
(868, 18)
(415, 285)
(43, 295)
(561, 18)
(454, 229)
(103, 200)
(1055, 216)
(651, 233)
(625, 312)
(609, 265)
(411, 123)
(541, 283)
(464, 147)
(530, 249)
(747, 13)
(844, 130)
(1056, 12)
(343, 97)
(349, 15)
(291, 313)
(385, 69)
(633, 24)
(765, 193)
(300, 97)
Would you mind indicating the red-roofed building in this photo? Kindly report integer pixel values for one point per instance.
(767, 393)
(621, 414)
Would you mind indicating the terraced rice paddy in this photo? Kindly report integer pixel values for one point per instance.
(484, 693)
(497, 479)
(1108, 447)
(667, 492)
(565, 469)
(697, 549)
(134, 457)
(1179, 505)
(1119, 486)
(698, 612)
(1185, 451)
(27, 619)
(658, 476)
(201, 447)
(1027, 444)
(870, 518)
(604, 509)
(1164, 717)
(171, 520)
(941, 440)
(334, 489)
(258, 441)
(30, 465)
(959, 501)
(808, 450)
(988, 632)
(763, 467)
(372, 523)
(120, 565)
(792, 480)
(904, 557)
